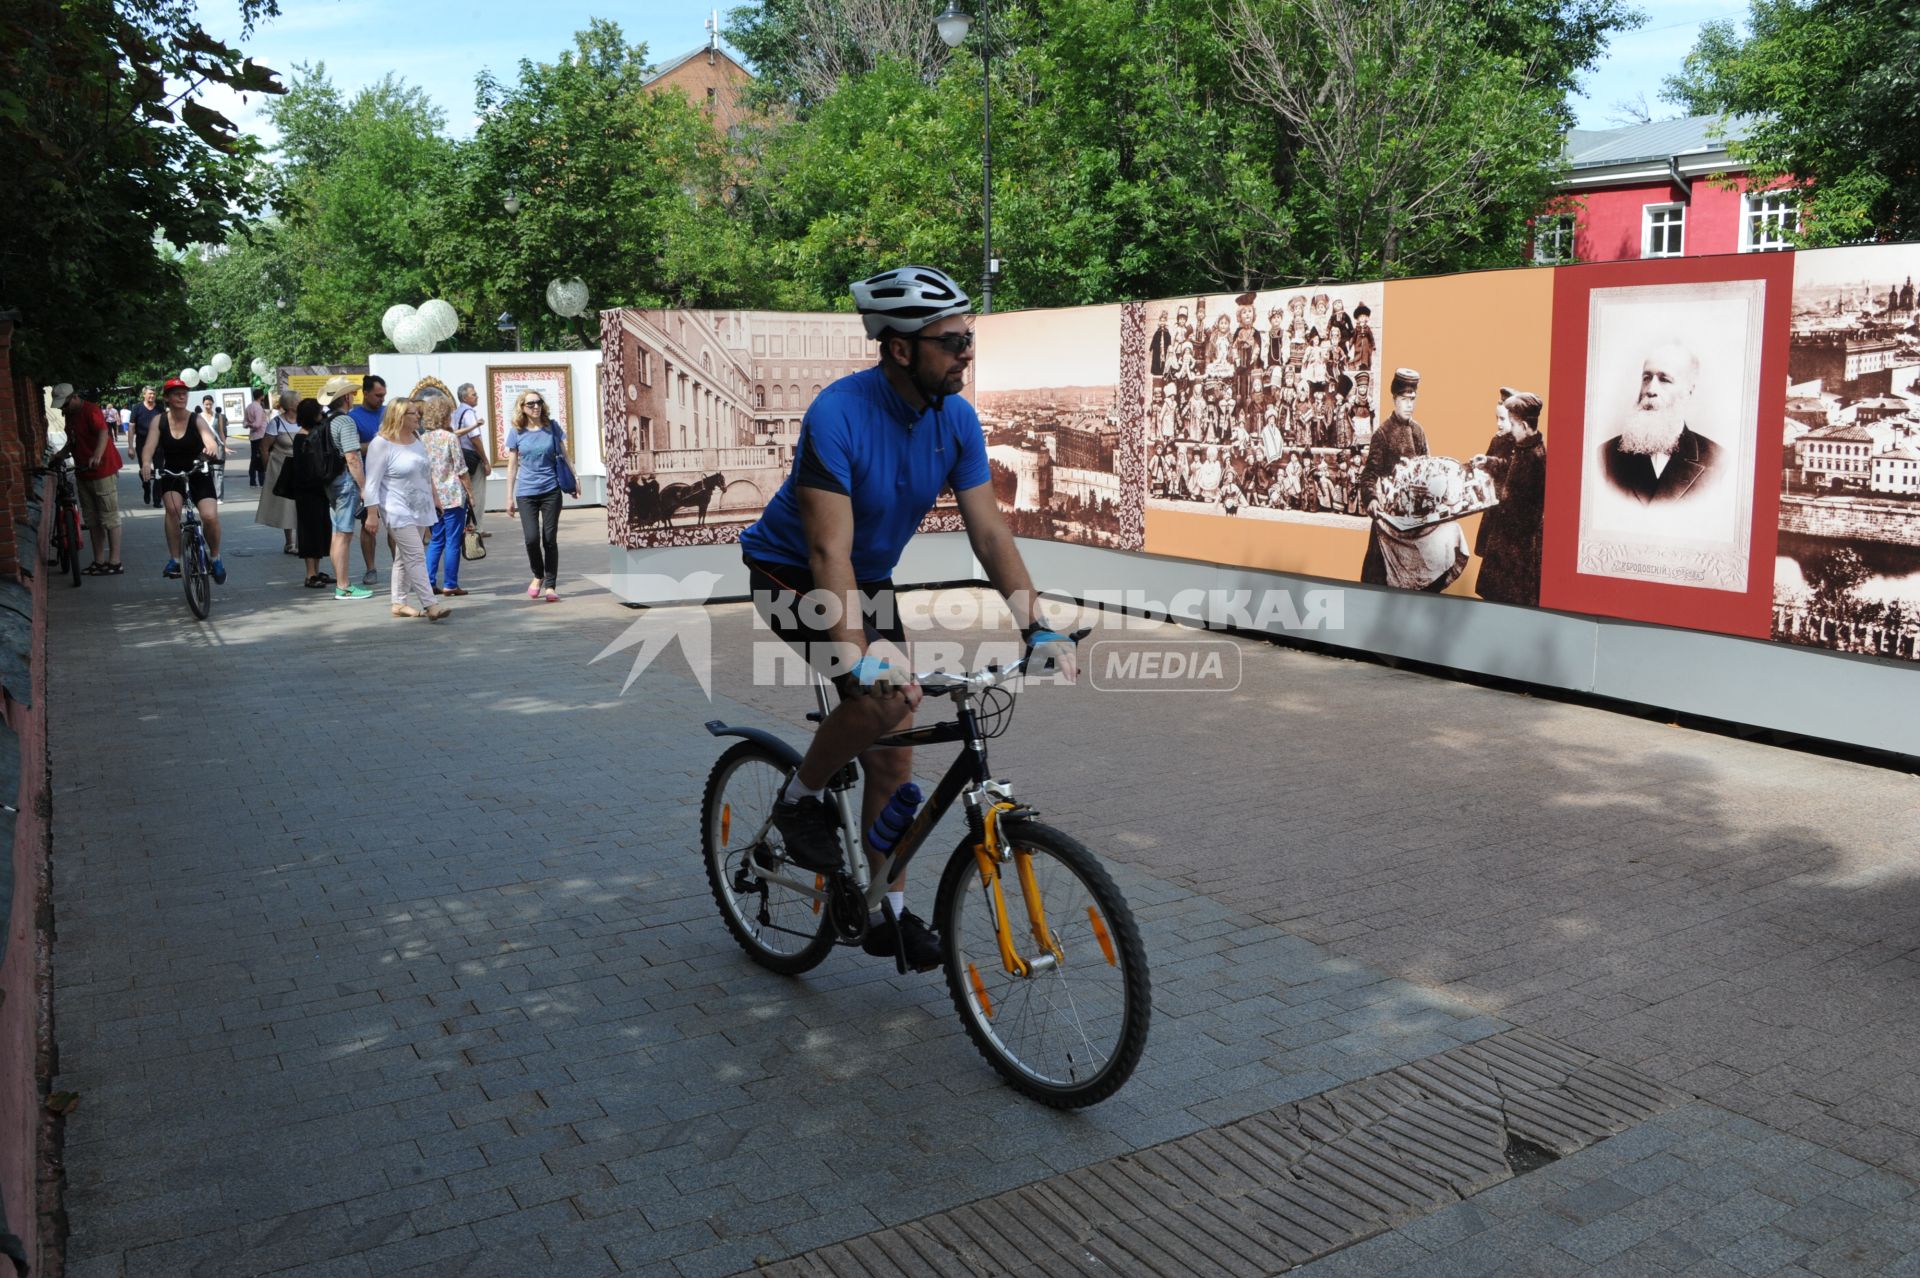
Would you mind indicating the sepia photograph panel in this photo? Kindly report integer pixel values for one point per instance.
(1047, 391)
(1672, 413)
(1261, 405)
(702, 413)
(1847, 571)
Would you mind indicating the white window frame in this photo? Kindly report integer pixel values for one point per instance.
(1558, 229)
(1776, 209)
(1647, 229)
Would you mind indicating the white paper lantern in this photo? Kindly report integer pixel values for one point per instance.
(567, 298)
(413, 335)
(390, 322)
(440, 313)
(260, 368)
(222, 362)
(207, 374)
(191, 376)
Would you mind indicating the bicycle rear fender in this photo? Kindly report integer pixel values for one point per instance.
(789, 756)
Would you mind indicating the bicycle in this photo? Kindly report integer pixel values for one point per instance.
(1064, 1021)
(196, 566)
(67, 541)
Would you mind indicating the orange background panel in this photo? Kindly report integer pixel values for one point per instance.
(1467, 336)
(1301, 549)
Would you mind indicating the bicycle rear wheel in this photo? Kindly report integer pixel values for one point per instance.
(197, 577)
(780, 929)
(70, 551)
(1070, 1034)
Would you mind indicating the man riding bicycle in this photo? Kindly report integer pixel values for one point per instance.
(876, 449)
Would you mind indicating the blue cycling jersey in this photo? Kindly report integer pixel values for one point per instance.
(862, 440)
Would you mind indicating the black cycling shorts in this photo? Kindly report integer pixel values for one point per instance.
(776, 591)
(197, 486)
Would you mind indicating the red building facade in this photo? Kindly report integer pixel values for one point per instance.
(1660, 190)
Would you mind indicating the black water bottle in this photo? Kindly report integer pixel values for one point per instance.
(894, 818)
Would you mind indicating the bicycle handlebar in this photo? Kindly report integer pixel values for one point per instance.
(936, 683)
(198, 468)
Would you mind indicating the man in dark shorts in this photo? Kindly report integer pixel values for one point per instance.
(876, 448)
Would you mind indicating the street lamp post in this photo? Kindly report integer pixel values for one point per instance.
(953, 26)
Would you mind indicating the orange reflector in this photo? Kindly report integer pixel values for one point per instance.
(980, 990)
(726, 823)
(819, 881)
(1100, 934)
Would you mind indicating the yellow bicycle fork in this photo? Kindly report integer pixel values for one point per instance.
(986, 856)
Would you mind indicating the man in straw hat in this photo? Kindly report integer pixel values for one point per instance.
(342, 439)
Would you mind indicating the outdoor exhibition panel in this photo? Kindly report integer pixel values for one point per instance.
(1691, 483)
(568, 380)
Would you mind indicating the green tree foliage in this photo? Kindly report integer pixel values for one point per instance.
(1831, 89)
(100, 130)
(1144, 147)
(628, 190)
(359, 199)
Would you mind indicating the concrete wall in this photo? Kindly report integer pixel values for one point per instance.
(1862, 701)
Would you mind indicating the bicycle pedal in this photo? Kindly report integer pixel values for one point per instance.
(899, 942)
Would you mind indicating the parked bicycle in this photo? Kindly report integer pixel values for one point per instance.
(66, 537)
(196, 565)
(1048, 974)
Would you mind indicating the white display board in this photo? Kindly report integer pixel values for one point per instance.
(449, 370)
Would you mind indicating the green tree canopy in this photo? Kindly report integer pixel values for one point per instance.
(1831, 92)
(101, 132)
(625, 189)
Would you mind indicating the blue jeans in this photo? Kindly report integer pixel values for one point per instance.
(446, 545)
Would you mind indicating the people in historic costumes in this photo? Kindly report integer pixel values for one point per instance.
(1509, 540)
(1494, 460)
(1246, 348)
(1363, 342)
(1276, 338)
(1159, 347)
(1341, 322)
(1398, 437)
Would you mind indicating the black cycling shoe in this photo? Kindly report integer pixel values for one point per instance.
(922, 942)
(811, 833)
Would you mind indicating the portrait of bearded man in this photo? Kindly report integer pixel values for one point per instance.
(1657, 457)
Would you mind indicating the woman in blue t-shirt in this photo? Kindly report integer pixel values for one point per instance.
(536, 452)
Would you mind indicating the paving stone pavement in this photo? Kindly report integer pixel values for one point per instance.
(384, 948)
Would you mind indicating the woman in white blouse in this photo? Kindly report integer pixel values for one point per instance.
(400, 492)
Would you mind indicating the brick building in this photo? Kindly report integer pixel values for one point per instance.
(1660, 190)
(711, 79)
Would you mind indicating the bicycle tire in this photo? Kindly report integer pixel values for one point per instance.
(70, 524)
(764, 918)
(197, 579)
(1071, 1035)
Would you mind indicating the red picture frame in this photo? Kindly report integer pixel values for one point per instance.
(1562, 585)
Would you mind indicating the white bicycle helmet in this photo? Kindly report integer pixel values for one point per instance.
(907, 299)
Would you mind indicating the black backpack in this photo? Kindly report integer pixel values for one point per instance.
(326, 453)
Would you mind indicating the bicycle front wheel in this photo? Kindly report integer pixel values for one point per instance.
(780, 929)
(1070, 1032)
(197, 576)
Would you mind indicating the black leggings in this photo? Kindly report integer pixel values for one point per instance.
(540, 521)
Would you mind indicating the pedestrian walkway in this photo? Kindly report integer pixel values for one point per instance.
(384, 948)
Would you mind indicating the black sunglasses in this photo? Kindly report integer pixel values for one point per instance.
(951, 343)
(534, 403)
